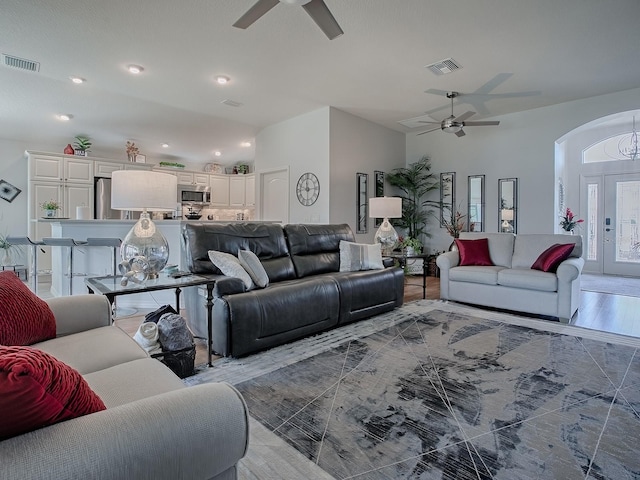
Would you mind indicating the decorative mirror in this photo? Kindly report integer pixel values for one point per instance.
(447, 196)
(475, 206)
(379, 179)
(508, 206)
(362, 204)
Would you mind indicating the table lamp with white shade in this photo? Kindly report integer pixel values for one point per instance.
(507, 217)
(386, 208)
(145, 191)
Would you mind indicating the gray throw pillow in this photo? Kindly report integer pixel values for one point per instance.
(360, 256)
(251, 263)
(230, 266)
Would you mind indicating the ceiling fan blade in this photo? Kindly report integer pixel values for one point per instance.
(254, 13)
(323, 17)
(464, 116)
(460, 133)
(429, 131)
(481, 124)
(424, 121)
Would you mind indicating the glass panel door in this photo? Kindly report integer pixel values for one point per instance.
(621, 225)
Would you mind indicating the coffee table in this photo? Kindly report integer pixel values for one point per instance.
(111, 288)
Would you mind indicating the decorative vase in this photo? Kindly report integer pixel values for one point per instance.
(68, 150)
(410, 251)
(50, 213)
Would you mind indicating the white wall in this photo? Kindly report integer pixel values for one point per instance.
(302, 144)
(358, 145)
(522, 146)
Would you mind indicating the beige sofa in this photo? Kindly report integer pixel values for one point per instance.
(153, 428)
(510, 283)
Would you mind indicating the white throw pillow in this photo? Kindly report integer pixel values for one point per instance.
(360, 256)
(252, 264)
(230, 266)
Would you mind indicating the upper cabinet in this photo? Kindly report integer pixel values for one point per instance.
(60, 169)
(242, 190)
(219, 190)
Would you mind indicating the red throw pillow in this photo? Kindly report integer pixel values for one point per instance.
(37, 390)
(474, 252)
(24, 318)
(553, 256)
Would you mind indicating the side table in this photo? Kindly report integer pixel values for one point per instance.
(403, 258)
(110, 287)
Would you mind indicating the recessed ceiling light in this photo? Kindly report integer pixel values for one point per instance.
(64, 117)
(245, 144)
(217, 153)
(165, 145)
(222, 79)
(135, 69)
(77, 80)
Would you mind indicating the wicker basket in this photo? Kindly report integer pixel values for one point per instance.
(181, 361)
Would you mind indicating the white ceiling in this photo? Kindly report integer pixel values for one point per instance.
(543, 51)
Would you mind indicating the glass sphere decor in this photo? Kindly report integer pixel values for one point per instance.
(146, 243)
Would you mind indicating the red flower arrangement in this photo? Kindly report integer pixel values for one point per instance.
(568, 221)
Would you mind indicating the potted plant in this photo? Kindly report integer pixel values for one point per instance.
(50, 207)
(411, 245)
(7, 250)
(414, 182)
(454, 225)
(569, 222)
(82, 145)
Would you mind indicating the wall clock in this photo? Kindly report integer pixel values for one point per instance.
(308, 189)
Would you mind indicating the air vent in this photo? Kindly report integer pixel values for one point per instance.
(445, 66)
(232, 103)
(21, 63)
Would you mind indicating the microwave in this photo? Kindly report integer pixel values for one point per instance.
(194, 194)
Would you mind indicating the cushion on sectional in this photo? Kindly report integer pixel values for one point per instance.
(37, 390)
(553, 256)
(251, 263)
(24, 318)
(474, 252)
(359, 256)
(230, 266)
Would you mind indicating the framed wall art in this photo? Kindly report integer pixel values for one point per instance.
(8, 192)
(362, 202)
(475, 207)
(447, 195)
(378, 177)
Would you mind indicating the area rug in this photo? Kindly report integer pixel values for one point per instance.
(434, 390)
(628, 286)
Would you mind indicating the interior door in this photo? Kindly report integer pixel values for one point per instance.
(621, 232)
(274, 195)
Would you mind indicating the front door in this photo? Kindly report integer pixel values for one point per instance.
(621, 225)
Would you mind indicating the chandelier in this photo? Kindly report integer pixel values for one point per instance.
(628, 145)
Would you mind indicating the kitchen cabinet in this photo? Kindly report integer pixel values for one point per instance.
(105, 169)
(60, 169)
(242, 191)
(219, 190)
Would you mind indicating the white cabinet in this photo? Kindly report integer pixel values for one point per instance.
(250, 191)
(201, 179)
(60, 169)
(242, 191)
(219, 190)
(137, 166)
(184, 178)
(105, 169)
(191, 178)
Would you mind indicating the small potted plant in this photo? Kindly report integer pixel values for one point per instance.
(569, 222)
(82, 145)
(412, 246)
(50, 207)
(7, 250)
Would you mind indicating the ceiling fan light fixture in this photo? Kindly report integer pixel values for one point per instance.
(453, 128)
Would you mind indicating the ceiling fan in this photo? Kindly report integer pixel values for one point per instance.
(316, 9)
(453, 124)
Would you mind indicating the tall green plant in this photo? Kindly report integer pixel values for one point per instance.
(415, 182)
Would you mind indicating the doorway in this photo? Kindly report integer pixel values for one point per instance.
(620, 232)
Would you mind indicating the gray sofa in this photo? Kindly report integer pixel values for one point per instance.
(153, 428)
(511, 284)
(306, 294)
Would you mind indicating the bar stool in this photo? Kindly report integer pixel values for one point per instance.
(107, 242)
(33, 267)
(65, 242)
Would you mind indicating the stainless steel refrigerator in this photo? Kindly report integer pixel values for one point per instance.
(102, 203)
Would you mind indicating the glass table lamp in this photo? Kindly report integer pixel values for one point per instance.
(146, 191)
(386, 208)
(507, 217)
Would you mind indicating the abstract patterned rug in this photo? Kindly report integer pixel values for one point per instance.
(434, 390)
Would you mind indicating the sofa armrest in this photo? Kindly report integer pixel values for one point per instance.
(570, 269)
(228, 286)
(445, 262)
(195, 432)
(78, 313)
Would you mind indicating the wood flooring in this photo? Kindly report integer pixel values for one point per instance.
(599, 311)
